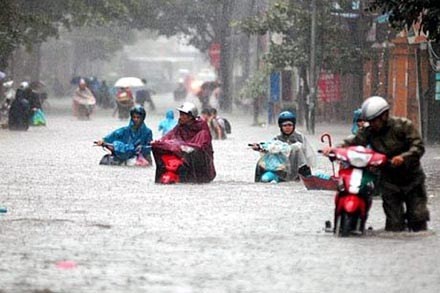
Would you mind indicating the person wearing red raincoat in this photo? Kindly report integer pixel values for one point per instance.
(190, 144)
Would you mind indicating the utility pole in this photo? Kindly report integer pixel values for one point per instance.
(311, 99)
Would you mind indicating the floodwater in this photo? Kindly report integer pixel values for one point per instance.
(75, 226)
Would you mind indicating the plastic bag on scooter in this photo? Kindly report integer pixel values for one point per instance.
(273, 162)
(38, 118)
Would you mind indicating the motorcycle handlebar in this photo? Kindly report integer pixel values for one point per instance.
(259, 148)
(110, 146)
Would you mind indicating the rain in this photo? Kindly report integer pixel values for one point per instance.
(71, 224)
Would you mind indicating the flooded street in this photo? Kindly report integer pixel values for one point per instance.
(75, 226)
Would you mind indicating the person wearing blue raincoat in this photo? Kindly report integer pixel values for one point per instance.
(168, 123)
(358, 122)
(129, 141)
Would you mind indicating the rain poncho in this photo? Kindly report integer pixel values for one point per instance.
(84, 97)
(168, 123)
(83, 102)
(127, 141)
(299, 143)
(193, 143)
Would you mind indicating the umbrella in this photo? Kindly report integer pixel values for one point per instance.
(129, 82)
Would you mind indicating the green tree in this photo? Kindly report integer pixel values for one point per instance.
(201, 22)
(31, 22)
(403, 13)
(289, 25)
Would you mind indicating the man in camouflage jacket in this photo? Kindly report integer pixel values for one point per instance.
(402, 182)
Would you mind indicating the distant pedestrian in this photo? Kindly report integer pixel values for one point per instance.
(217, 125)
(124, 102)
(168, 123)
(104, 94)
(144, 95)
(83, 101)
(180, 92)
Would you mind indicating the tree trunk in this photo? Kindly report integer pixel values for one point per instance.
(225, 59)
(303, 93)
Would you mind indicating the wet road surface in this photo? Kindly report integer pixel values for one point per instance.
(75, 226)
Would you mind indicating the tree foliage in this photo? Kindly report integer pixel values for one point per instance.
(289, 21)
(256, 85)
(403, 13)
(199, 21)
(28, 22)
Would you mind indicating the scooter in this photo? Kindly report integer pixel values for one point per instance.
(181, 162)
(274, 163)
(124, 102)
(111, 159)
(356, 179)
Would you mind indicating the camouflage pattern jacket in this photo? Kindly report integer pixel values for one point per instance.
(397, 137)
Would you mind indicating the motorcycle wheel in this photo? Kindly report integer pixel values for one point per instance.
(343, 225)
(360, 226)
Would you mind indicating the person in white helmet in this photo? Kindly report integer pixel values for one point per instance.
(190, 140)
(402, 182)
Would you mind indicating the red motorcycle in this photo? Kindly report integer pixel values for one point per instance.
(356, 181)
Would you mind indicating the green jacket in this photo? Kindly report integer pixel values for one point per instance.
(397, 137)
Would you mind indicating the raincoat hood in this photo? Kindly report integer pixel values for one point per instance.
(169, 114)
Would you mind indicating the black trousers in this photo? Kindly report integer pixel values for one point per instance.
(404, 207)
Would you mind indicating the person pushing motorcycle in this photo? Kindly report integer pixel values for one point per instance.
(402, 182)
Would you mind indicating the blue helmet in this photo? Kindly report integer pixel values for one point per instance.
(138, 110)
(286, 116)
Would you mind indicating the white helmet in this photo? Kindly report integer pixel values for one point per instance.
(189, 108)
(8, 84)
(24, 85)
(373, 107)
